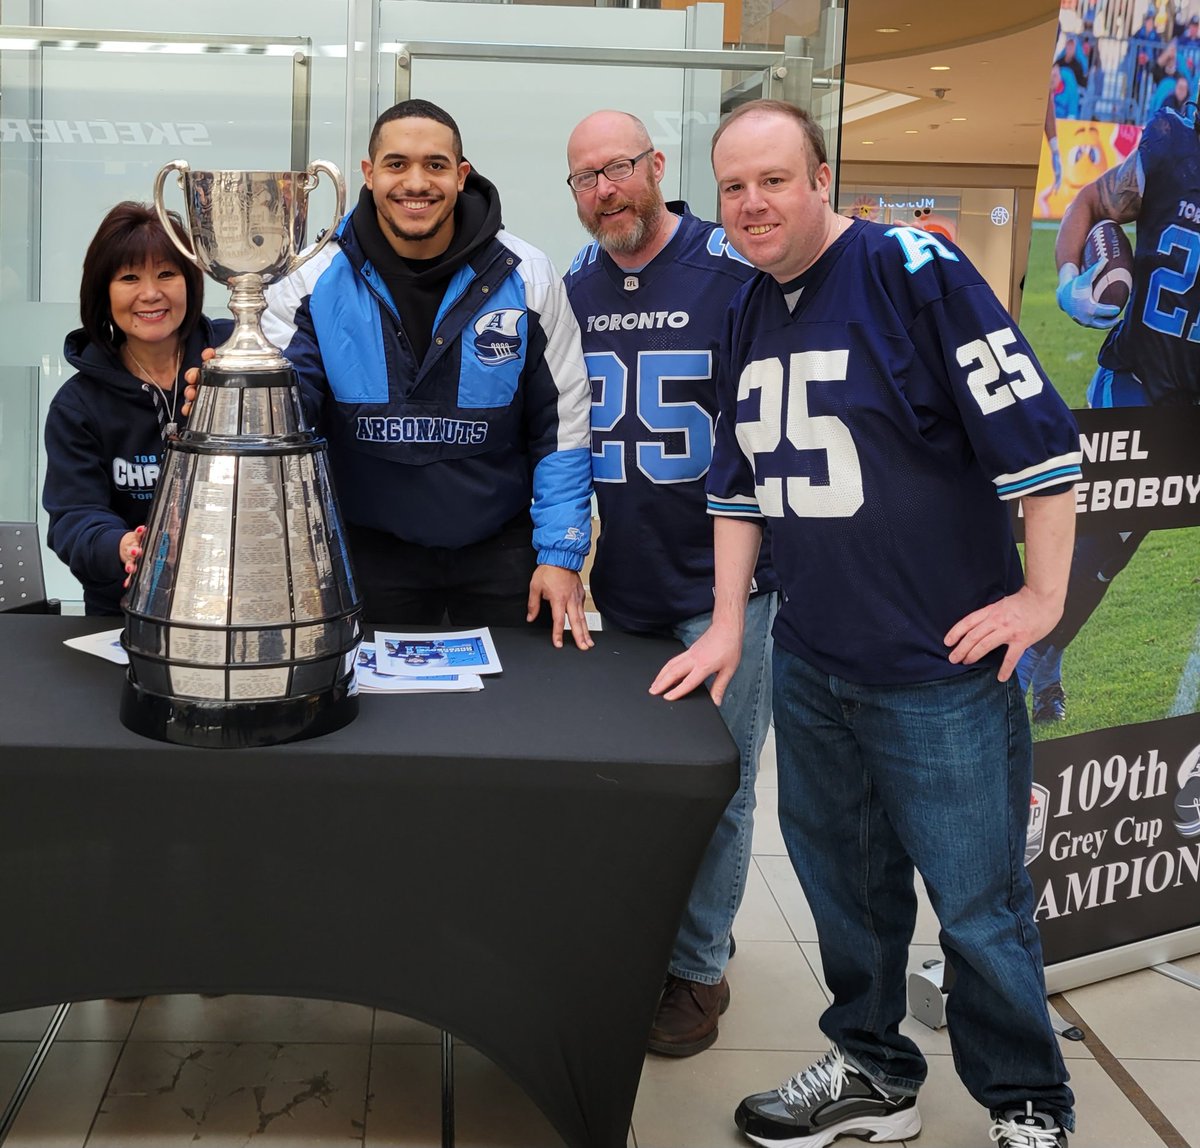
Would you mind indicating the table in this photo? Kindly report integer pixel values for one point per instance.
(507, 865)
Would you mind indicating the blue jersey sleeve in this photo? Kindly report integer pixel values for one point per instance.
(964, 340)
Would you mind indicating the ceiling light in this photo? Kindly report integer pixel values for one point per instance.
(911, 131)
(887, 29)
(957, 119)
(939, 67)
(866, 141)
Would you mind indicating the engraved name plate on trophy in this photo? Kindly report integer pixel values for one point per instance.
(243, 621)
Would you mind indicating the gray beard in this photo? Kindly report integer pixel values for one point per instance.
(631, 240)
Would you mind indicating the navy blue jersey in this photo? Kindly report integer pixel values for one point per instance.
(879, 428)
(650, 340)
(1158, 338)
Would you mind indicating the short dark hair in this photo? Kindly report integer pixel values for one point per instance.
(812, 130)
(416, 110)
(128, 236)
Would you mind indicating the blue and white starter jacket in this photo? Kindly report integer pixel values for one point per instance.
(446, 451)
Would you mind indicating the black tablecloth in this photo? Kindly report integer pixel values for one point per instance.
(509, 865)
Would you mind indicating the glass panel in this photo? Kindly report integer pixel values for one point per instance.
(88, 119)
(515, 117)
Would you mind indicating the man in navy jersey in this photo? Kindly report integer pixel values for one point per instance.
(879, 409)
(1149, 357)
(651, 295)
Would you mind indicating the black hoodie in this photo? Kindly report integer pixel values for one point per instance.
(104, 451)
(418, 286)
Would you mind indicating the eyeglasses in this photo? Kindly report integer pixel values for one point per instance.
(616, 171)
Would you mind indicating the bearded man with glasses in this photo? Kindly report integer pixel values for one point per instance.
(650, 295)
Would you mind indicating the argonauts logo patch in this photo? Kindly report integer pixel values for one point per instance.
(1187, 801)
(496, 337)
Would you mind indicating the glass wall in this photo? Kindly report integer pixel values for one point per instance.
(98, 97)
(980, 220)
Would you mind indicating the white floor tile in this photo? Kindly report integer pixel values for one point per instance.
(60, 1106)
(767, 769)
(490, 1111)
(784, 886)
(392, 1028)
(244, 1018)
(759, 917)
(86, 1020)
(1172, 1085)
(775, 999)
(1105, 1118)
(230, 1095)
(1142, 1016)
(768, 841)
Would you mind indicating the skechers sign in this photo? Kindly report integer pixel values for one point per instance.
(134, 133)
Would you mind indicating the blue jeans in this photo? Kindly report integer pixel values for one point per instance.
(876, 779)
(702, 944)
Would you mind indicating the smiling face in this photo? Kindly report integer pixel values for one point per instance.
(625, 216)
(415, 176)
(775, 213)
(148, 302)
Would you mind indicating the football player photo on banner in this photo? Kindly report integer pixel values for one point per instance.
(1112, 308)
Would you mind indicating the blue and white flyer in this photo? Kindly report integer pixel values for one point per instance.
(432, 655)
(371, 680)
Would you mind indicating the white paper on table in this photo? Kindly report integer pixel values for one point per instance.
(591, 617)
(106, 645)
(372, 683)
(433, 655)
(371, 680)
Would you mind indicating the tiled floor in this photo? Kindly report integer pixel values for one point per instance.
(236, 1071)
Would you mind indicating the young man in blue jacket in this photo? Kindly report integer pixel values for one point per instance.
(439, 356)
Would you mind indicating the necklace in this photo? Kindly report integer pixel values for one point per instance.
(170, 429)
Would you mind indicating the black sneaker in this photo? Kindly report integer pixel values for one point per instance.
(832, 1098)
(1026, 1128)
(1050, 704)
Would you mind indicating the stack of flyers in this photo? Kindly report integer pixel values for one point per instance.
(432, 655)
(370, 680)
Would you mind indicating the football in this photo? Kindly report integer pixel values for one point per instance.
(1108, 245)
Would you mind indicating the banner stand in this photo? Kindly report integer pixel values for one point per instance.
(1178, 974)
(927, 993)
(1150, 953)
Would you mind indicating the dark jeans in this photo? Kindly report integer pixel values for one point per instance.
(483, 584)
(874, 780)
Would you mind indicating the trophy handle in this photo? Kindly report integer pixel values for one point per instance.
(181, 166)
(311, 179)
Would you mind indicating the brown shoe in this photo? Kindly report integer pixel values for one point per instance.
(686, 1021)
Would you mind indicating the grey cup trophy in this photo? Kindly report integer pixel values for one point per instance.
(242, 621)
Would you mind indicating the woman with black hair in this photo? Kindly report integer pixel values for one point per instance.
(107, 426)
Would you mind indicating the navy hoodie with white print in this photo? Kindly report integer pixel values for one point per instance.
(104, 452)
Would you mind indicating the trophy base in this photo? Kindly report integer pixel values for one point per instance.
(236, 724)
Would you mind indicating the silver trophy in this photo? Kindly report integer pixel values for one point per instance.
(242, 621)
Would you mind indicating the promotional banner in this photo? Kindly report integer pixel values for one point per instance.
(1112, 308)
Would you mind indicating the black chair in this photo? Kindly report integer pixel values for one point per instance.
(22, 584)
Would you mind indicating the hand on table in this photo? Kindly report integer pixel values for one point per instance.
(714, 654)
(563, 589)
